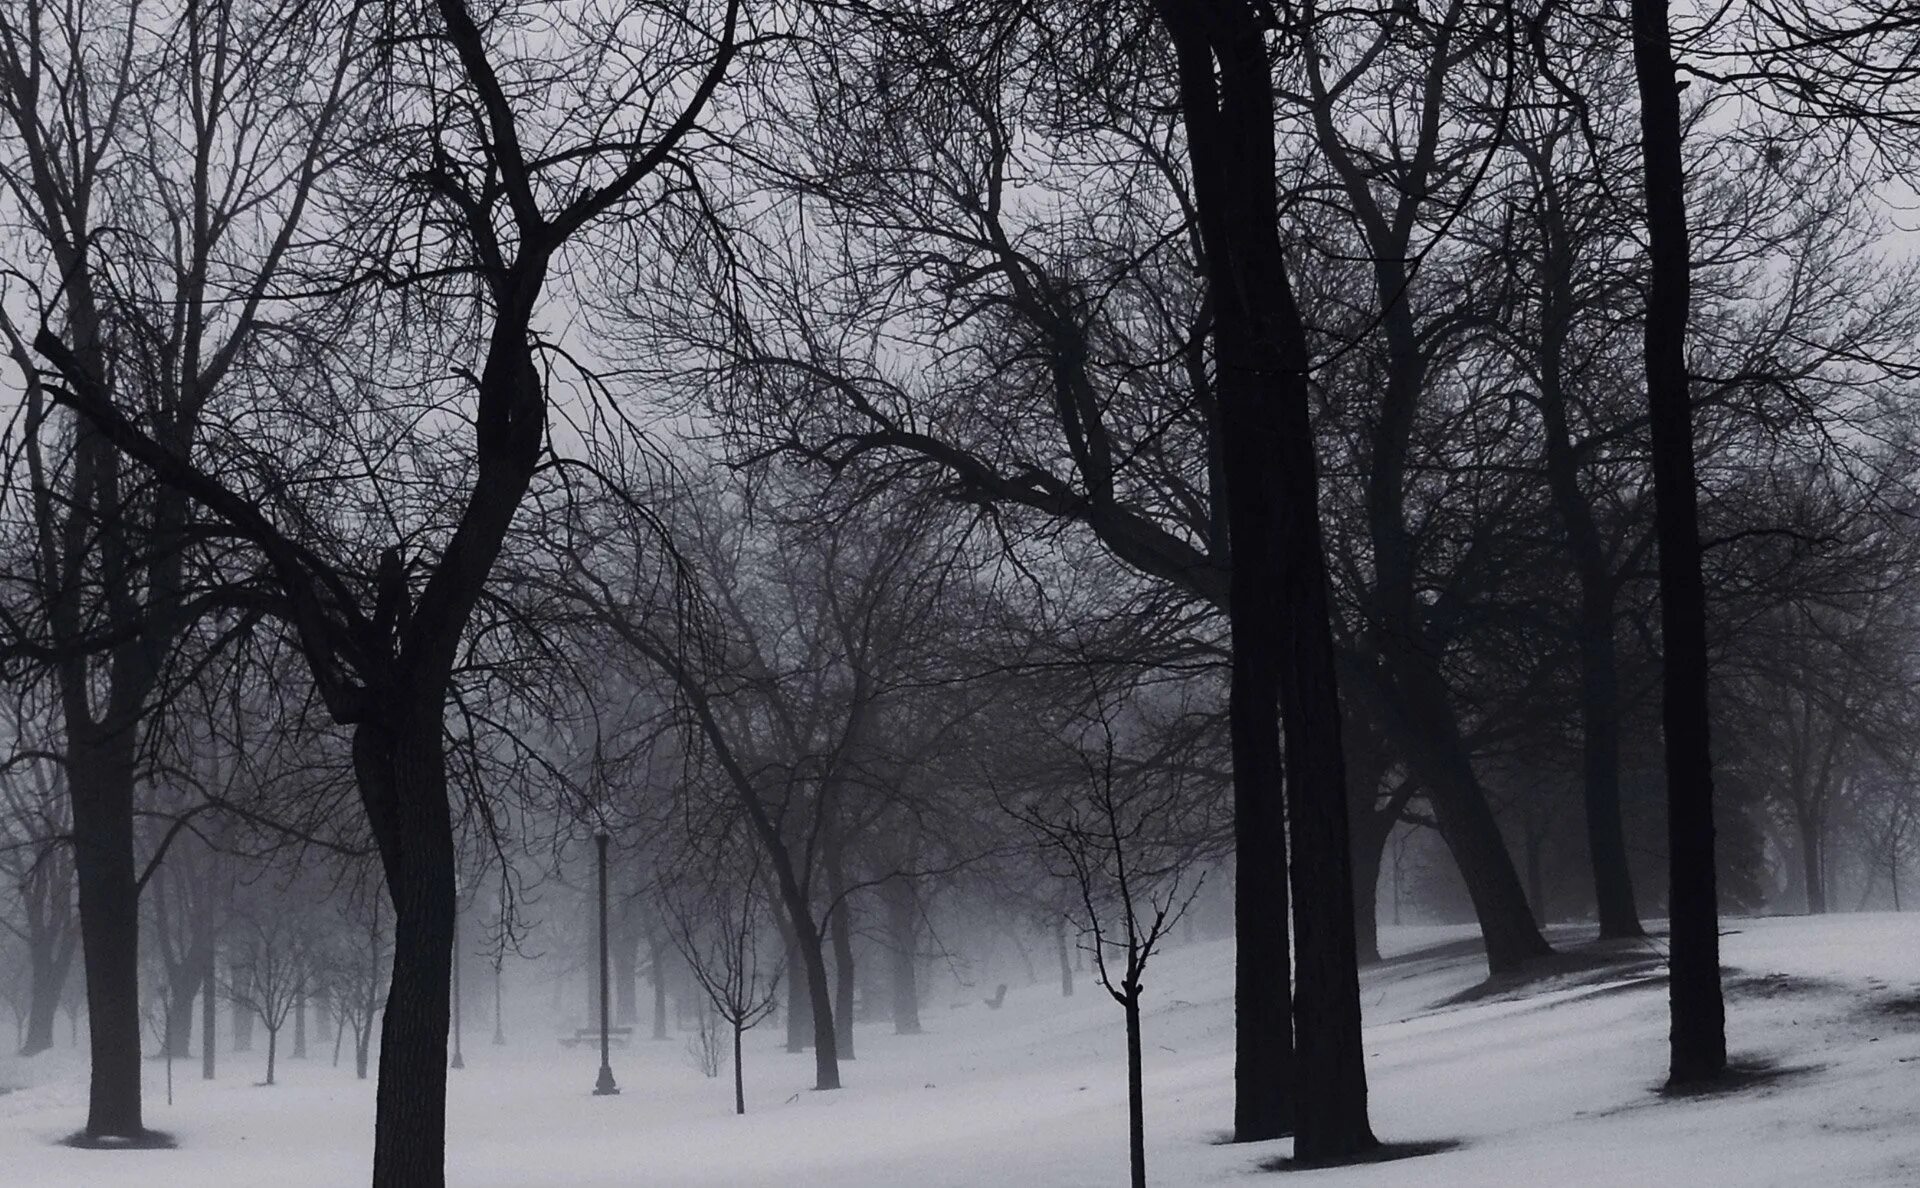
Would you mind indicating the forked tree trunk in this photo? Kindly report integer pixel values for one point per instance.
(1282, 643)
(1698, 1034)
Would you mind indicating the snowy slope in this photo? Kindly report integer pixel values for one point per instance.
(1550, 1082)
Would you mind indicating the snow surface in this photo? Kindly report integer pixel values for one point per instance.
(1553, 1082)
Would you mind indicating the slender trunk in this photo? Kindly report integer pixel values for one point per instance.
(903, 955)
(739, 1078)
(273, 1050)
(658, 955)
(1372, 829)
(101, 777)
(1136, 1098)
(300, 1025)
(1066, 957)
(209, 1038)
(1698, 1038)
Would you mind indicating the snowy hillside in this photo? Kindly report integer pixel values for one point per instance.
(1551, 1082)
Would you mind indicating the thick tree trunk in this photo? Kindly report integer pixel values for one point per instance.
(402, 775)
(903, 954)
(100, 773)
(1281, 638)
(1698, 1039)
(242, 1024)
(273, 1051)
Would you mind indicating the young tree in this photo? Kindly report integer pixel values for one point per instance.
(1119, 842)
(719, 926)
(273, 965)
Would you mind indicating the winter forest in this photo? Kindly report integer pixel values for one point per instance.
(959, 593)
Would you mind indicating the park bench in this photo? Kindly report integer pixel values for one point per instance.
(617, 1036)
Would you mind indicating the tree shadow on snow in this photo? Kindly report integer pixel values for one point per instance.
(146, 1140)
(1383, 1153)
(1739, 1078)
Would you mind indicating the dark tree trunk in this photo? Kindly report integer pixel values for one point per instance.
(1600, 759)
(401, 771)
(1599, 669)
(1065, 954)
(100, 773)
(209, 1028)
(242, 1025)
(739, 1077)
(843, 978)
(300, 1026)
(1698, 1037)
(903, 919)
(273, 1051)
(657, 954)
(1537, 875)
(1136, 1097)
(1281, 637)
(1413, 708)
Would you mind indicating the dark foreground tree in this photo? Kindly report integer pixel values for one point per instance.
(1283, 656)
(503, 184)
(1699, 1033)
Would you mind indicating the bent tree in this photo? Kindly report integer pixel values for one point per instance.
(471, 183)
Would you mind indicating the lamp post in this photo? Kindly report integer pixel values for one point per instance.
(604, 1086)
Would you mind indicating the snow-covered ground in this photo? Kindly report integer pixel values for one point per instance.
(1550, 1083)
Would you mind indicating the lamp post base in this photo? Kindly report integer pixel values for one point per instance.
(604, 1087)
